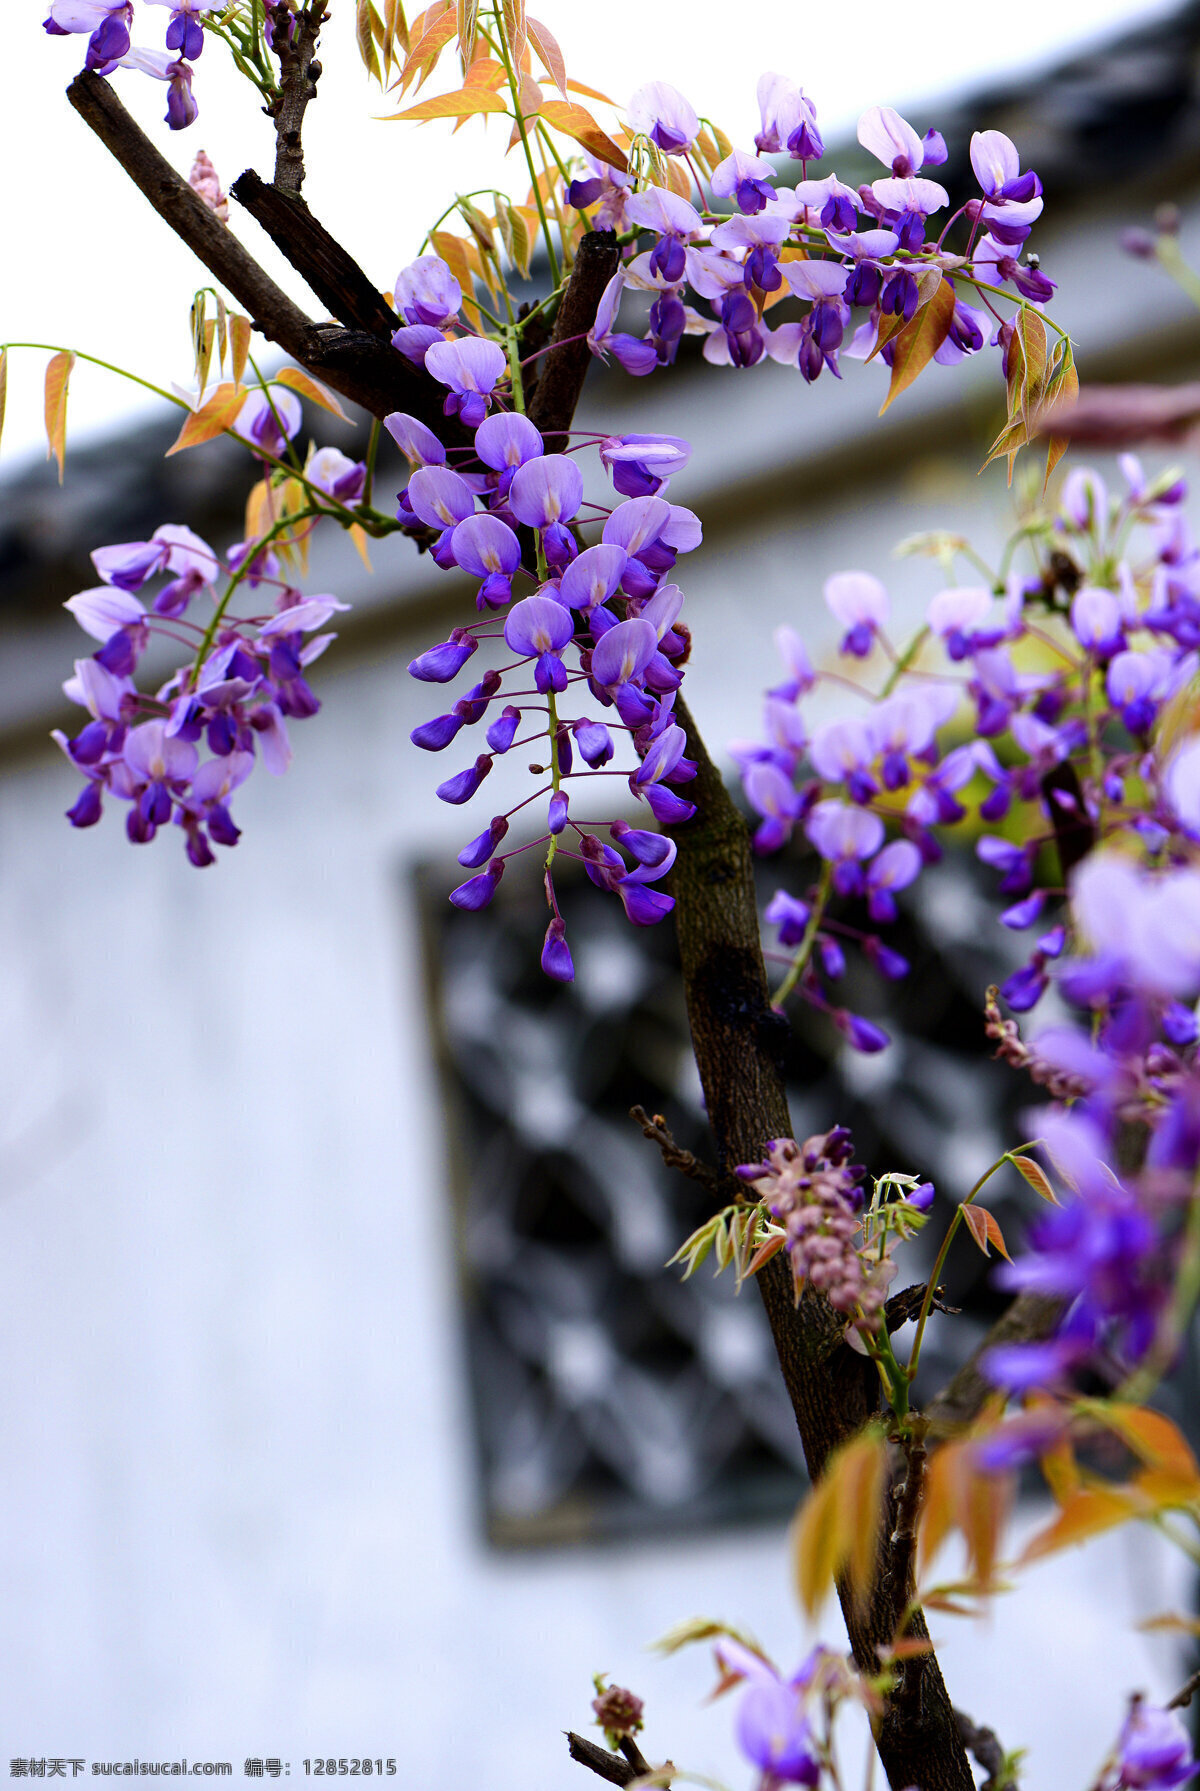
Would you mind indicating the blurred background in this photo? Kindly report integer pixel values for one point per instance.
(345, 1406)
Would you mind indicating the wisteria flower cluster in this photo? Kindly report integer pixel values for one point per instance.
(602, 620)
(108, 25)
(245, 678)
(742, 242)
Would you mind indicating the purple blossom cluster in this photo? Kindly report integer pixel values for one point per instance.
(1071, 689)
(814, 1192)
(596, 626)
(244, 680)
(744, 241)
(108, 26)
(1025, 709)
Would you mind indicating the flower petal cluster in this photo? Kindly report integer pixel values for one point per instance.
(598, 624)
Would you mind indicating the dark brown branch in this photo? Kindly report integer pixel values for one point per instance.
(1186, 1693)
(597, 1759)
(985, 1745)
(1030, 1319)
(736, 1037)
(673, 1155)
(341, 285)
(295, 38)
(564, 366)
(355, 363)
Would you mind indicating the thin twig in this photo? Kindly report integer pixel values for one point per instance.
(598, 1760)
(985, 1745)
(358, 364)
(1186, 1693)
(674, 1155)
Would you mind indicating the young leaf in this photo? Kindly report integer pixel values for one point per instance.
(469, 102)
(546, 45)
(212, 419)
(984, 1229)
(816, 1544)
(1152, 1437)
(468, 24)
(433, 31)
(702, 1629)
(58, 375)
(1032, 334)
(359, 537)
(395, 31)
(241, 331)
(590, 92)
(919, 341)
(515, 27)
(367, 28)
(890, 324)
(576, 122)
(1035, 1175)
(308, 387)
(1088, 1512)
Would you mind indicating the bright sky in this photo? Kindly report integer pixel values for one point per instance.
(90, 267)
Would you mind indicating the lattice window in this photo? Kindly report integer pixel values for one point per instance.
(609, 1395)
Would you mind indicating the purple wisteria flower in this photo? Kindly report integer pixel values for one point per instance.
(246, 679)
(185, 28)
(773, 1726)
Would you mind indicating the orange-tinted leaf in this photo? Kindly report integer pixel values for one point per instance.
(890, 324)
(984, 1229)
(468, 24)
(530, 96)
(368, 27)
(453, 251)
(3, 385)
(58, 375)
(484, 72)
(1088, 1512)
(678, 178)
(861, 1478)
(395, 30)
(432, 32)
(546, 45)
(259, 508)
(1032, 334)
(1061, 1470)
(308, 387)
(241, 331)
(763, 1254)
(1171, 1621)
(985, 1508)
(1152, 1437)
(1035, 1175)
(576, 122)
(590, 92)
(467, 103)
(515, 26)
(941, 1499)
(919, 341)
(212, 419)
(816, 1544)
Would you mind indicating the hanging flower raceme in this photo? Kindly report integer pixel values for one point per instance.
(598, 622)
(244, 680)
